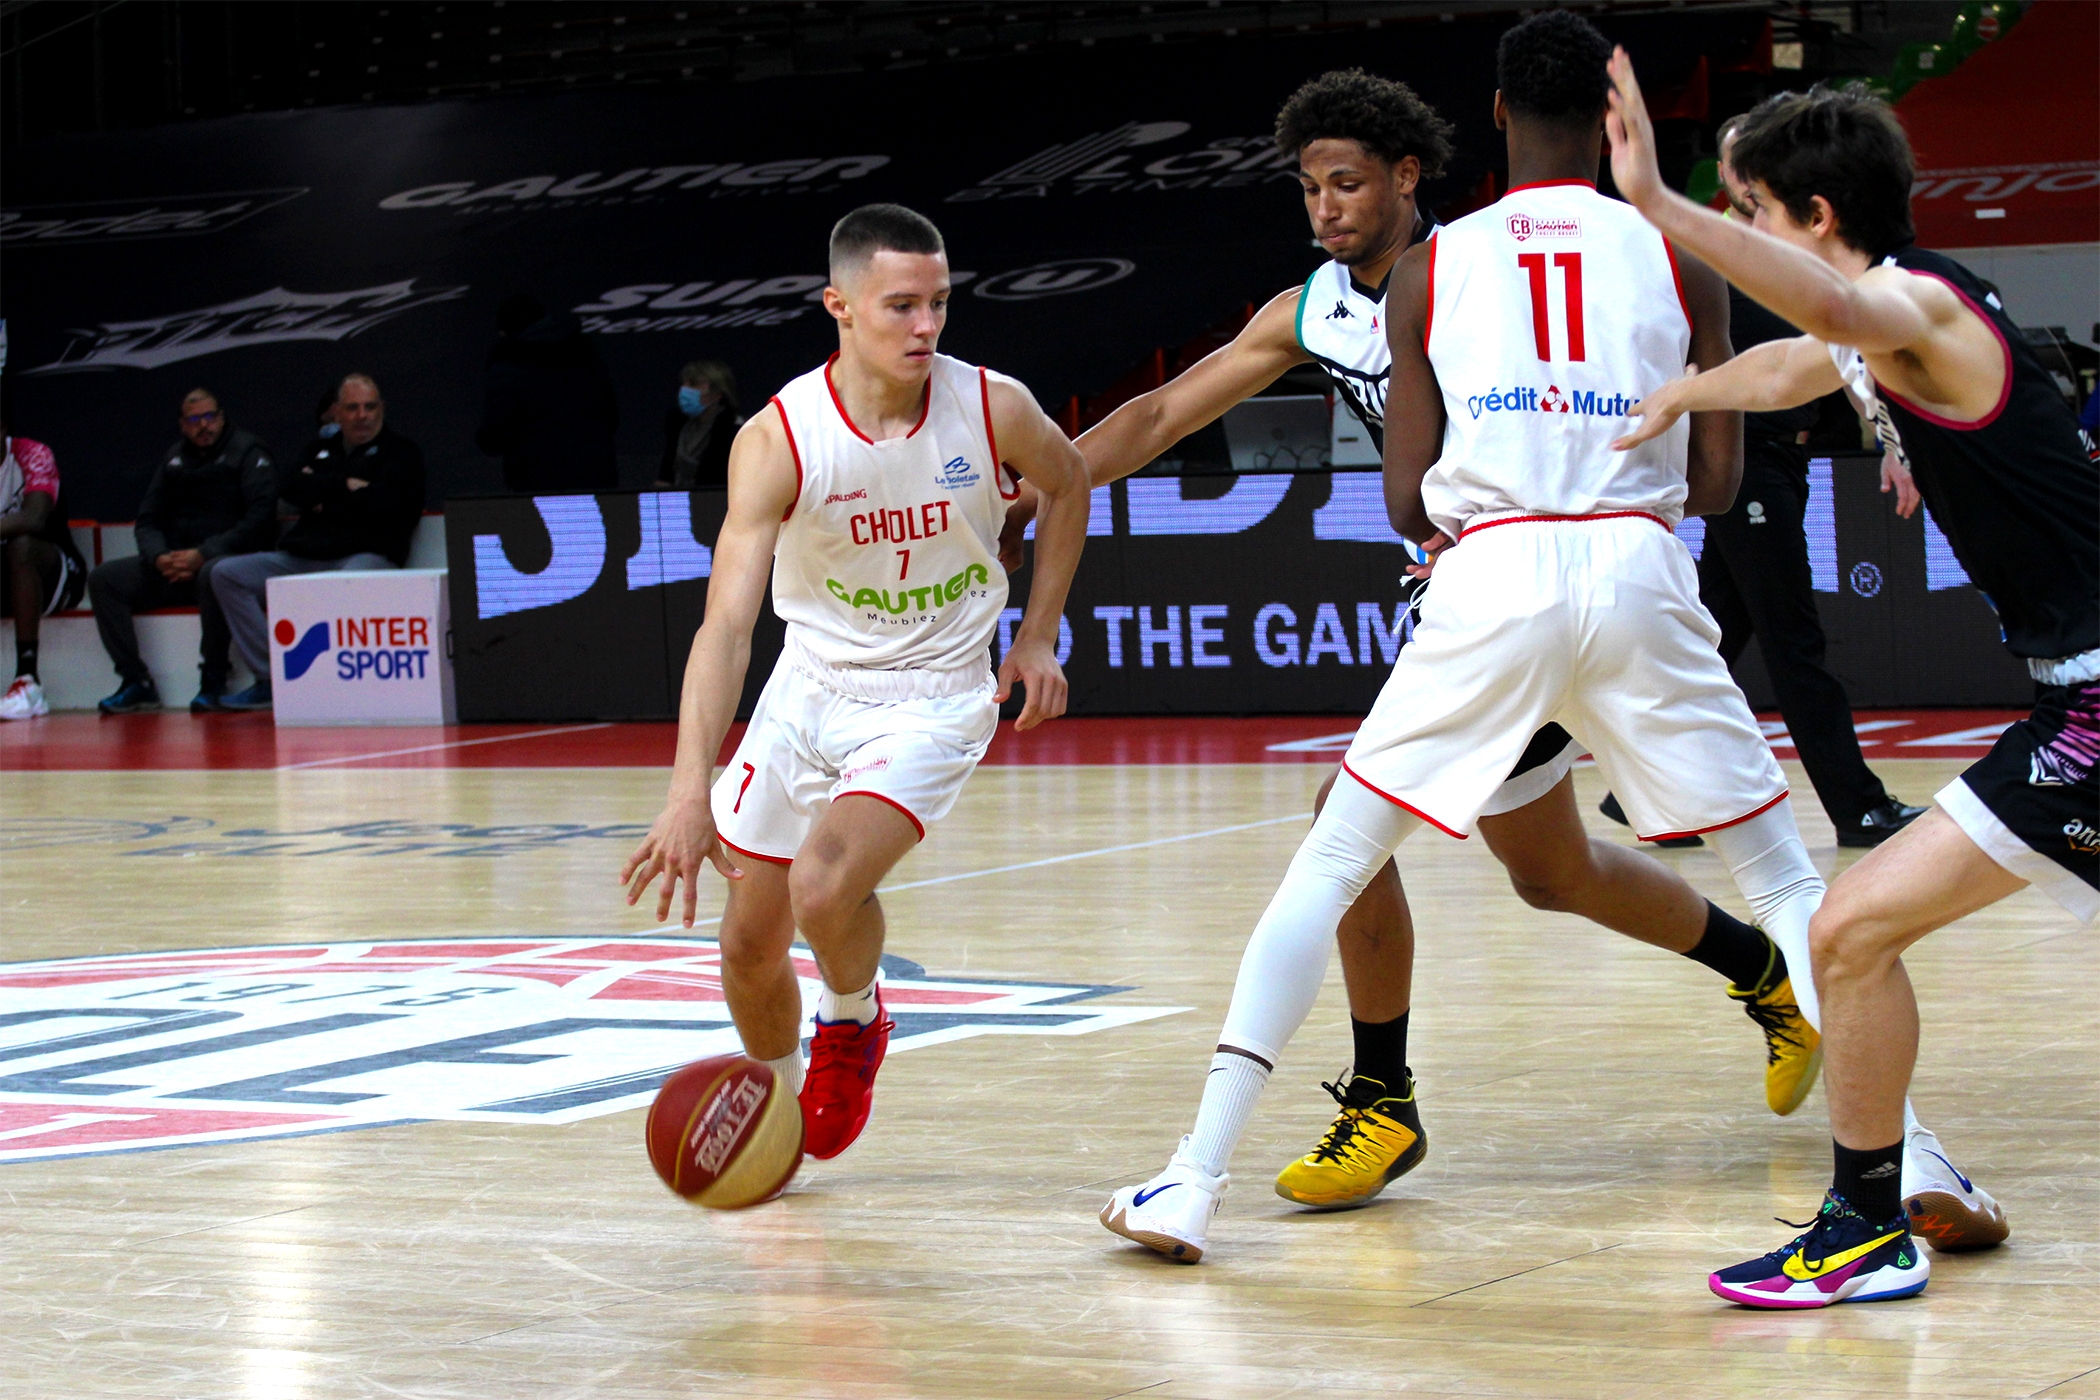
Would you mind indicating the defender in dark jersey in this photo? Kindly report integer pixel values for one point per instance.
(2007, 475)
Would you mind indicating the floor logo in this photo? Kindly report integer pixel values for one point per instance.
(150, 1050)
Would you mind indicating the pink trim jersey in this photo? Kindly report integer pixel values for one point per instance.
(1551, 313)
(28, 466)
(889, 559)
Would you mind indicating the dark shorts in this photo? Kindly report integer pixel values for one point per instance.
(1545, 746)
(63, 575)
(2033, 802)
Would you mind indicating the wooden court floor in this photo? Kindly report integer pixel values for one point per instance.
(1598, 1135)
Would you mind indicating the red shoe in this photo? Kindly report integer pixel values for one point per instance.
(839, 1090)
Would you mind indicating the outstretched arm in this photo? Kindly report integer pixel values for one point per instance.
(762, 487)
(1872, 314)
(1763, 379)
(1046, 459)
(1414, 403)
(1152, 422)
(1146, 426)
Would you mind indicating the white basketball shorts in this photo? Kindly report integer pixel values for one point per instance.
(1593, 623)
(809, 743)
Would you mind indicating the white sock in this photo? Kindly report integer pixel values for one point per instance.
(1286, 959)
(787, 1070)
(847, 1006)
(1772, 869)
(1229, 1092)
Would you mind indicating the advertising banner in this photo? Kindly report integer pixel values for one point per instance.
(1094, 210)
(1255, 594)
(359, 646)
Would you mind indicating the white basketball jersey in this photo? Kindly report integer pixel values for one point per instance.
(889, 559)
(1551, 313)
(1344, 331)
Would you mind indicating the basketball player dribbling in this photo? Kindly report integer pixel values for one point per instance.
(1568, 600)
(2009, 478)
(873, 493)
(1363, 143)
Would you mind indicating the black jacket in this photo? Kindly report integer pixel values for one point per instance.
(1751, 324)
(711, 471)
(218, 500)
(337, 520)
(549, 410)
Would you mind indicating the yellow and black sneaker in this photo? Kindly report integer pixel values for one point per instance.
(1375, 1139)
(1793, 1050)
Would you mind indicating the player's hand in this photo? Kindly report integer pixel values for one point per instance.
(1633, 167)
(683, 837)
(1896, 477)
(1658, 412)
(1034, 664)
(1435, 545)
(1018, 517)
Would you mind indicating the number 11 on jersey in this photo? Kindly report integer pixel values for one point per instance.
(1570, 265)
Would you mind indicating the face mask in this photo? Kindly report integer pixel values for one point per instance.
(689, 401)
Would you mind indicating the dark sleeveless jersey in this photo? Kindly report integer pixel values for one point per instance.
(2016, 493)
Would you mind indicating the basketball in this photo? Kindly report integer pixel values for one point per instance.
(723, 1135)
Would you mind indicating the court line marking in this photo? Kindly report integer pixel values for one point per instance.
(1602, 1249)
(1047, 860)
(434, 748)
(1103, 851)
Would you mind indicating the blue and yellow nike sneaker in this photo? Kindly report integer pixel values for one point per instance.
(1844, 1258)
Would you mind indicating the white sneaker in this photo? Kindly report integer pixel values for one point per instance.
(24, 700)
(1945, 1207)
(1170, 1213)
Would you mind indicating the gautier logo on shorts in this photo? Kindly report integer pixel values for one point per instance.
(940, 594)
(1553, 399)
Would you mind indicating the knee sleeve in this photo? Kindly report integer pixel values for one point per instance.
(1286, 959)
(1772, 869)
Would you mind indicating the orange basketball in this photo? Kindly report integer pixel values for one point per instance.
(723, 1135)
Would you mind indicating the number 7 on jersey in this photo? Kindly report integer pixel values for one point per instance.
(1570, 265)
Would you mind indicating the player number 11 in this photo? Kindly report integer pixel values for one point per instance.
(1570, 265)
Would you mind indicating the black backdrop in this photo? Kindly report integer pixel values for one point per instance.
(1248, 595)
(1105, 208)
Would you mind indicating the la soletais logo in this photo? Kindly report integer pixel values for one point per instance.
(151, 1050)
(956, 473)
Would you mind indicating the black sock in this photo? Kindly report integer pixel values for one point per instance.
(1381, 1052)
(25, 659)
(1742, 954)
(1871, 1181)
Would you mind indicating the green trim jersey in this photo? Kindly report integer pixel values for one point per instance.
(1341, 324)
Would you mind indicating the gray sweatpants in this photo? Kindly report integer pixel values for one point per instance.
(242, 583)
